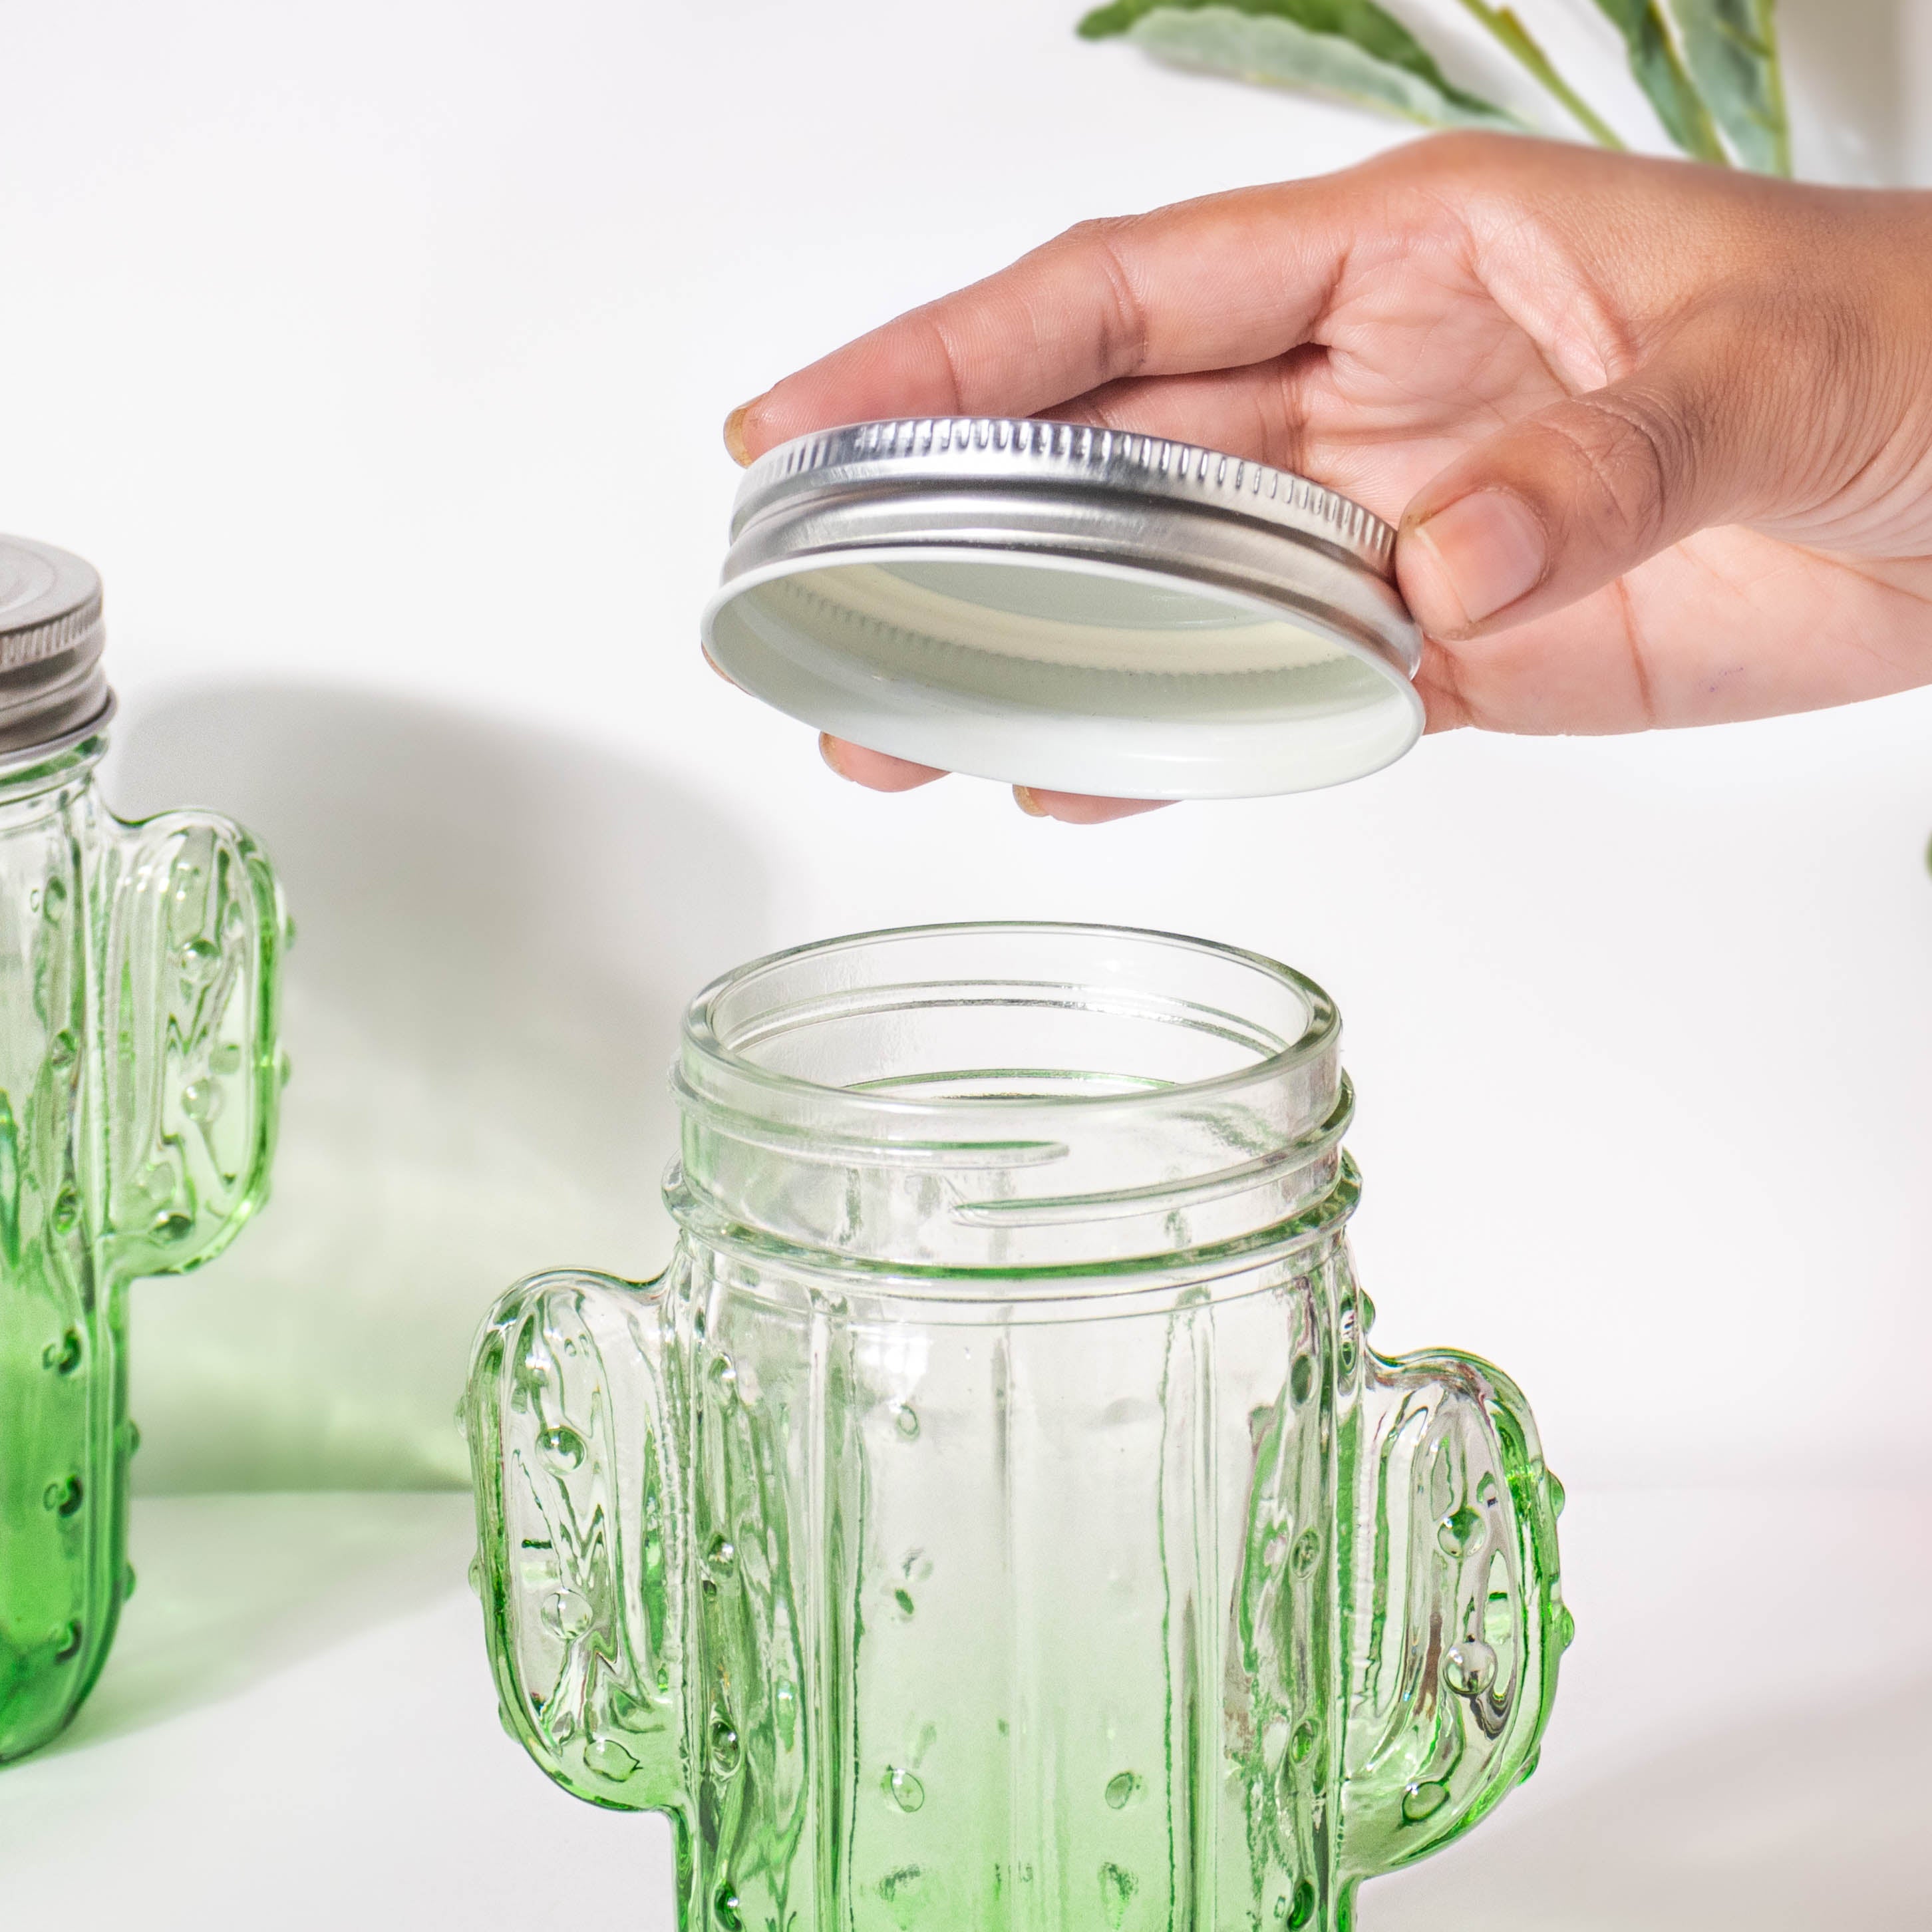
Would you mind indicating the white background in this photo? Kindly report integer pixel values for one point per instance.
(377, 354)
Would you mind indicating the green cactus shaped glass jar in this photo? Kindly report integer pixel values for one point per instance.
(140, 1074)
(995, 1517)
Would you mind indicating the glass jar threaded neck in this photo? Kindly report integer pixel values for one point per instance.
(1003, 1099)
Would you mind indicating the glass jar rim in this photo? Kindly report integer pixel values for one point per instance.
(24, 774)
(706, 1047)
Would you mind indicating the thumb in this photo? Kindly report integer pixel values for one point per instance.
(1566, 501)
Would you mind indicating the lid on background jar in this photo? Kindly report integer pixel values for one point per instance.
(1079, 609)
(53, 686)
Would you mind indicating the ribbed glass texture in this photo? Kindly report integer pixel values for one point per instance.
(995, 1517)
(139, 1072)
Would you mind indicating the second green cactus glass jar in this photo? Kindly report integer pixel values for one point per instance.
(140, 1074)
(996, 1516)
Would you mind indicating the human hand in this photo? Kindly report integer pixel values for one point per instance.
(1658, 437)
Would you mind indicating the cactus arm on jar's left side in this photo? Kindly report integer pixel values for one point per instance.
(137, 1115)
(140, 1074)
(1452, 1609)
(582, 1531)
(62, 1564)
(190, 958)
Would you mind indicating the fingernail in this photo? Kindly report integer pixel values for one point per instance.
(1023, 797)
(827, 745)
(1489, 548)
(734, 433)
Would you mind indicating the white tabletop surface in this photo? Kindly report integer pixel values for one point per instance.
(297, 1730)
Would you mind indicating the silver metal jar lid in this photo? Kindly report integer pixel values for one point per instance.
(1076, 608)
(53, 686)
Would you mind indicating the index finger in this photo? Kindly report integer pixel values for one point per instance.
(1216, 283)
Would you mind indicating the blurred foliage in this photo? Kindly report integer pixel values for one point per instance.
(1709, 67)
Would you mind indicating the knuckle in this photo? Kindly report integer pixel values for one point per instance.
(948, 357)
(1462, 148)
(1471, 159)
(1634, 449)
(1103, 241)
(1097, 228)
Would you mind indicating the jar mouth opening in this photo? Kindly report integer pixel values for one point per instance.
(897, 1031)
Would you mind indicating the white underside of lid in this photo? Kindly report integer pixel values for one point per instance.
(1069, 675)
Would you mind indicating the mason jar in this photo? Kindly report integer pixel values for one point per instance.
(996, 1516)
(139, 1072)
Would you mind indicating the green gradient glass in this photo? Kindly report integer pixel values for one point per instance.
(995, 1517)
(138, 1079)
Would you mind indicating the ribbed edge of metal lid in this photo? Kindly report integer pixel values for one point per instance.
(53, 685)
(1020, 451)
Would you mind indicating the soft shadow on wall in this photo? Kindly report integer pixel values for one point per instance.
(497, 931)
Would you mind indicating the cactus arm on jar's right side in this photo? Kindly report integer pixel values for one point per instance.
(1452, 1607)
(190, 958)
(582, 1529)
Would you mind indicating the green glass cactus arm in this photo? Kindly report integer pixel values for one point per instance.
(61, 1556)
(135, 1134)
(1452, 1610)
(189, 956)
(582, 1532)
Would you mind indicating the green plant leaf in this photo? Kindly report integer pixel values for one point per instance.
(1660, 73)
(1509, 30)
(1731, 49)
(1352, 48)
